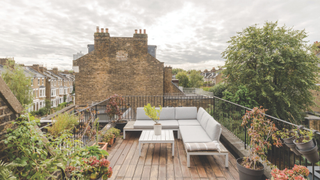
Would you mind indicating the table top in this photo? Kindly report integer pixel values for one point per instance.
(148, 136)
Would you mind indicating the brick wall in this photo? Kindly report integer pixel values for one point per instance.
(169, 88)
(118, 65)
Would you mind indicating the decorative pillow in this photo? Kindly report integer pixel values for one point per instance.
(208, 146)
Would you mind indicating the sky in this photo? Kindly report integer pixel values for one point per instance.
(189, 34)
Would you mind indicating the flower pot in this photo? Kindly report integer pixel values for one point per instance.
(289, 140)
(121, 124)
(248, 174)
(304, 146)
(292, 147)
(311, 154)
(111, 141)
(157, 129)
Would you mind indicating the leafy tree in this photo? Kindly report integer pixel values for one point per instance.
(218, 89)
(242, 96)
(277, 65)
(196, 80)
(18, 82)
(183, 79)
(177, 70)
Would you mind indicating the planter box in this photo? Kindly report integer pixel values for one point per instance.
(103, 144)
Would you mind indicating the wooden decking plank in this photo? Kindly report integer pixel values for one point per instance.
(163, 154)
(162, 172)
(144, 150)
(115, 170)
(183, 160)
(146, 173)
(232, 166)
(125, 151)
(113, 149)
(154, 172)
(207, 167)
(130, 171)
(215, 167)
(170, 172)
(156, 154)
(148, 161)
(176, 162)
(222, 167)
(138, 171)
(201, 171)
(194, 173)
(115, 157)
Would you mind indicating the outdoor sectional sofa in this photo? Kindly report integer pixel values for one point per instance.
(198, 129)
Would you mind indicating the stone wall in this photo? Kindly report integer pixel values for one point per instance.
(10, 108)
(118, 65)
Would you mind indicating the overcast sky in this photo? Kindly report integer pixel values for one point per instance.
(188, 34)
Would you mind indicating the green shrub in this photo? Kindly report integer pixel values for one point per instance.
(218, 89)
(64, 122)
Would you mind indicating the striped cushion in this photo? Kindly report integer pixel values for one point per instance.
(208, 146)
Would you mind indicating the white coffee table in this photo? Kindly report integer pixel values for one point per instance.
(147, 136)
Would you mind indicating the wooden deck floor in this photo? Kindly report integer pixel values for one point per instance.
(156, 162)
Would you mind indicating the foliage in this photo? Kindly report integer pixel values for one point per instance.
(5, 172)
(177, 70)
(114, 131)
(27, 149)
(113, 106)
(183, 79)
(47, 106)
(18, 82)
(195, 79)
(152, 112)
(107, 136)
(218, 89)
(305, 136)
(89, 151)
(277, 65)
(242, 96)
(260, 130)
(63, 122)
(90, 168)
(286, 133)
(298, 172)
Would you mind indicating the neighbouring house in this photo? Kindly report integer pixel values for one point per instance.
(212, 77)
(120, 65)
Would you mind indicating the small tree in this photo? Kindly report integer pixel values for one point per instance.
(183, 79)
(277, 65)
(196, 80)
(18, 82)
(177, 70)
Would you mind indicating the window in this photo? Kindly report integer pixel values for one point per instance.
(53, 92)
(42, 92)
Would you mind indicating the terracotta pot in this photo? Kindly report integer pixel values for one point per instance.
(248, 174)
(105, 145)
(111, 141)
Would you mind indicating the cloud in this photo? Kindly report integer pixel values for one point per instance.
(188, 33)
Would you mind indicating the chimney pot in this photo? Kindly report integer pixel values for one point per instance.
(107, 30)
(139, 31)
(144, 31)
(135, 31)
(102, 31)
(97, 29)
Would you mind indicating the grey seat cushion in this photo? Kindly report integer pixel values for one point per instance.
(200, 113)
(148, 124)
(213, 129)
(193, 134)
(186, 113)
(167, 113)
(189, 122)
(204, 119)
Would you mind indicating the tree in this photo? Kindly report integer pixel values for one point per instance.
(183, 79)
(277, 65)
(177, 70)
(18, 82)
(242, 96)
(196, 80)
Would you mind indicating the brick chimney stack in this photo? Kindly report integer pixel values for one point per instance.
(139, 31)
(41, 69)
(97, 29)
(36, 67)
(102, 31)
(136, 31)
(55, 70)
(144, 31)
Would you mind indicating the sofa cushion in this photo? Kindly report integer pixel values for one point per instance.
(167, 113)
(141, 115)
(191, 134)
(201, 111)
(189, 122)
(186, 113)
(204, 119)
(148, 124)
(213, 129)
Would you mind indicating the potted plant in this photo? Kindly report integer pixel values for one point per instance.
(114, 111)
(307, 146)
(297, 172)
(260, 130)
(154, 114)
(115, 132)
(288, 136)
(108, 137)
